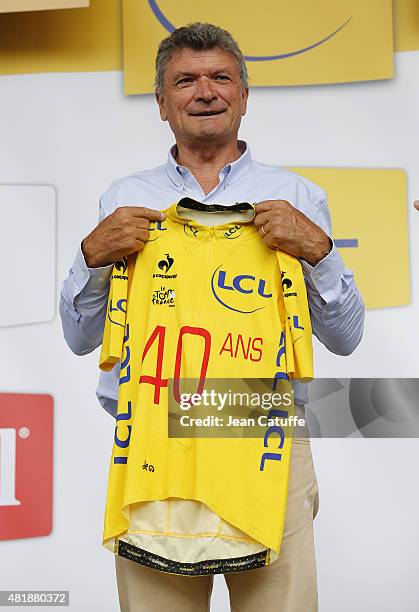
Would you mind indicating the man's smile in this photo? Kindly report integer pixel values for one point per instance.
(207, 113)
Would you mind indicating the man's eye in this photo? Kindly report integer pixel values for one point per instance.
(222, 77)
(184, 80)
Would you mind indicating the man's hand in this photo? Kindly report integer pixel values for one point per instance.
(120, 233)
(416, 204)
(282, 226)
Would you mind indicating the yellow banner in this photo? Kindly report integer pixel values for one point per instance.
(285, 43)
(406, 25)
(14, 6)
(90, 40)
(369, 214)
(76, 40)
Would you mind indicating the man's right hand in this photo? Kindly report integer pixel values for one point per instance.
(123, 232)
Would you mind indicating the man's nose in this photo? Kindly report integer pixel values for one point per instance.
(205, 89)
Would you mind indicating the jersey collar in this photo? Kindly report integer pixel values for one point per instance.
(242, 214)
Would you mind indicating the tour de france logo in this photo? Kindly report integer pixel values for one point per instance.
(163, 296)
(170, 27)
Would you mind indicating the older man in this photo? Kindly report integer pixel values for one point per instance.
(202, 91)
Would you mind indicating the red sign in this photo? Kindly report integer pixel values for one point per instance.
(26, 453)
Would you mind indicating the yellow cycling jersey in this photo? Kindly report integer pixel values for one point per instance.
(199, 304)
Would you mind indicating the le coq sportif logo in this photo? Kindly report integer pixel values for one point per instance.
(122, 265)
(166, 264)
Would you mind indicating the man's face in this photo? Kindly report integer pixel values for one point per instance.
(203, 98)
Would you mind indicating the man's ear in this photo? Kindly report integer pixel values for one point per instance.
(245, 96)
(160, 102)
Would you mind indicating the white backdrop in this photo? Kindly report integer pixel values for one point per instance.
(78, 132)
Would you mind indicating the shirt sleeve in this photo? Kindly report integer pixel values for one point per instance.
(83, 302)
(336, 306)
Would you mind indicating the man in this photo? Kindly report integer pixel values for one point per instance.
(202, 91)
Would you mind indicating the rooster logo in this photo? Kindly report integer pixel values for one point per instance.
(166, 264)
(122, 265)
(286, 282)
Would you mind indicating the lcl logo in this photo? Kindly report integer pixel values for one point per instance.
(224, 285)
(26, 454)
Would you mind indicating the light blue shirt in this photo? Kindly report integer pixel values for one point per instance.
(336, 306)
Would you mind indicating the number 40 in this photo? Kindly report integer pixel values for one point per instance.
(158, 335)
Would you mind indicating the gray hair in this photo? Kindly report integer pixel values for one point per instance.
(201, 37)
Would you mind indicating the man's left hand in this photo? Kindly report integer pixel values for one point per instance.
(283, 227)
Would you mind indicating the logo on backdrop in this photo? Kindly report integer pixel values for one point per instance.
(26, 454)
(170, 27)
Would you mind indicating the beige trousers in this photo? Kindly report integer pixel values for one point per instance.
(288, 585)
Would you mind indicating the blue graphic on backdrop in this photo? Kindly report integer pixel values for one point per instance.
(250, 58)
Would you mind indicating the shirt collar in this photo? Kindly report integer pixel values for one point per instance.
(233, 170)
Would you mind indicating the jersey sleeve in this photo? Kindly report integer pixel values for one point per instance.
(116, 311)
(295, 318)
